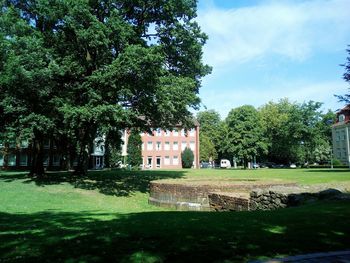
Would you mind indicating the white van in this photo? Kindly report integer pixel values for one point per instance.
(224, 163)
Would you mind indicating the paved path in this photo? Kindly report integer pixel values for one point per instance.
(329, 257)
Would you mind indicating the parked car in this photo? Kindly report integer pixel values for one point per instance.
(205, 165)
(256, 165)
(293, 166)
(224, 163)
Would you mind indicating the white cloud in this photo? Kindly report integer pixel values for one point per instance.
(292, 29)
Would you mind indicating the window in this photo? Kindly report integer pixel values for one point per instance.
(11, 161)
(341, 118)
(175, 132)
(175, 160)
(159, 146)
(1, 159)
(192, 132)
(182, 132)
(46, 160)
(158, 160)
(167, 133)
(23, 159)
(175, 146)
(150, 146)
(167, 146)
(143, 146)
(56, 160)
(183, 146)
(192, 145)
(158, 132)
(342, 135)
(166, 160)
(46, 144)
(149, 162)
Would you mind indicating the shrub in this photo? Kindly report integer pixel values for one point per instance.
(187, 158)
(134, 149)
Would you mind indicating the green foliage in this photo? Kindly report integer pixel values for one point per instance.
(245, 134)
(296, 132)
(74, 70)
(337, 162)
(346, 98)
(207, 148)
(134, 149)
(187, 158)
(210, 134)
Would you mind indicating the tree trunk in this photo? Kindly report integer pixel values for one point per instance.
(37, 168)
(82, 166)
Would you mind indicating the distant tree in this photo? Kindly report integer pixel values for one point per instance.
(245, 138)
(134, 149)
(207, 148)
(322, 152)
(294, 131)
(187, 158)
(210, 133)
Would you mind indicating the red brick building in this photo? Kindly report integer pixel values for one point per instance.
(162, 149)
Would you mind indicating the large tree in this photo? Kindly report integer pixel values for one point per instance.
(245, 134)
(73, 70)
(296, 131)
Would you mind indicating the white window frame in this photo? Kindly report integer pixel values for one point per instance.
(192, 145)
(175, 146)
(158, 146)
(167, 146)
(166, 160)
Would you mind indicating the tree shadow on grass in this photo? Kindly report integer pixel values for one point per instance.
(114, 182)
(173, 236)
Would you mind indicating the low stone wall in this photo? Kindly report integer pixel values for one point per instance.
(195, 197)
(229, 201)
(281, 197)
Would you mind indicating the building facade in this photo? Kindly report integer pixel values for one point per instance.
(18, 156)
(162, 148)
(341, 136)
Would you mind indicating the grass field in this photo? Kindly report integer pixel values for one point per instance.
(106, 217)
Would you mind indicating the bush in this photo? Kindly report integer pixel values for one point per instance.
(187, 158)
(337, 162)
(134, 149)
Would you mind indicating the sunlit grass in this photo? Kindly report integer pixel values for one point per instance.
(106, 217)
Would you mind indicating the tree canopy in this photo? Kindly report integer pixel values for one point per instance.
(245, 138)
(282, 132)
(73, 70)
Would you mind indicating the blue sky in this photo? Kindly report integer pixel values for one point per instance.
(268, 50)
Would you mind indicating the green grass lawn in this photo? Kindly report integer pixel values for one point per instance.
(106, 217)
